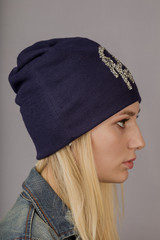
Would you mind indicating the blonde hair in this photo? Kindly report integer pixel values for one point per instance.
(94, 205)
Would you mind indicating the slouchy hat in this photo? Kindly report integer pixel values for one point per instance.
(67, 86)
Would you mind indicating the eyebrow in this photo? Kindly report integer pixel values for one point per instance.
(130, 113)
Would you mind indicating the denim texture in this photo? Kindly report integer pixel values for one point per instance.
(38, 214)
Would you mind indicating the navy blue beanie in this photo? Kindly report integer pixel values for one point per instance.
(67, 86)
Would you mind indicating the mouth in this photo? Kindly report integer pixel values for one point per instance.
(129, 164)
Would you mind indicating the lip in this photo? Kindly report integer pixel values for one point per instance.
(129, 164)
(131, 159)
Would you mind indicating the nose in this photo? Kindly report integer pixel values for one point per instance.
(137, 141)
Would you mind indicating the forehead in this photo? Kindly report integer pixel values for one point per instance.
(134, 107)
(130, 110)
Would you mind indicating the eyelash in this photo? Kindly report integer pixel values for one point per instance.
(124, 121)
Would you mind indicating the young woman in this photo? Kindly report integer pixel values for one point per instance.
(79, 104)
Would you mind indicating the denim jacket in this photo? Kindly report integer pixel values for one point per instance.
(38, 214)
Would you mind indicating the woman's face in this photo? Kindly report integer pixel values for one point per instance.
(115, 141)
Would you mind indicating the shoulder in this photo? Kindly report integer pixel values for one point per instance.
(22, 222)
(13, 223)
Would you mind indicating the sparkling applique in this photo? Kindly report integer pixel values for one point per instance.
(116, 68)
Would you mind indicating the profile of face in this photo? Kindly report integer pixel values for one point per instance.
(115, 142)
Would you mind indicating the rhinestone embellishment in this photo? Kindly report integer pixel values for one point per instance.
(116, 68)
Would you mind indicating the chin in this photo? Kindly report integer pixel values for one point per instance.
(123, 178)
(118, 179)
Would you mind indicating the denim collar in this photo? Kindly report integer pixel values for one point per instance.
(47, 204)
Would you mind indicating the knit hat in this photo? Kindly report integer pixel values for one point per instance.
(67, 86)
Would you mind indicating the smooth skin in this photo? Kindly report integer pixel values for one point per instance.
(114, 141)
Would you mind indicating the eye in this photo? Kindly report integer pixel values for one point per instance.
(122, 122)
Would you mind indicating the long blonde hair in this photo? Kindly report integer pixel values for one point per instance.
(94, 205)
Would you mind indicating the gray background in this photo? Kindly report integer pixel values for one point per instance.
(131, 31)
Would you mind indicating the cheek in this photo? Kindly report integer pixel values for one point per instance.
(106, 144)
(108, 150)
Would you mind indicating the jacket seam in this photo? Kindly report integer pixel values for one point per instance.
(28, 238)
(47, 220)
(22, 195)
(28, 233)
(40, 208)
(27, 222)
(40, 214)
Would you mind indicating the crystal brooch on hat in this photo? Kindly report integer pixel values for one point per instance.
(116, 67)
